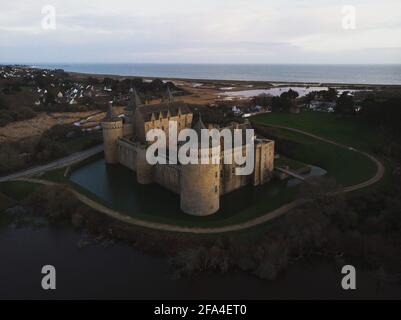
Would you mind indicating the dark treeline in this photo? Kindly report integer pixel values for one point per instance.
(383, 112)
(15, 107)
(286, 102)
(283, 103)
(147, 89)
(56, 142)
(329, 95)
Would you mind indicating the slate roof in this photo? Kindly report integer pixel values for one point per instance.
(134, 101)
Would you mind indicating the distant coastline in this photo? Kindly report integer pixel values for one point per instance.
(359, 75)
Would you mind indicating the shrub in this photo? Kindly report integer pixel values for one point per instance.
(25, 113)
(61, 132)
(5, 118)
(9, 158)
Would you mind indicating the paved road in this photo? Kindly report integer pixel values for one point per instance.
(229, 228)
(71, 159)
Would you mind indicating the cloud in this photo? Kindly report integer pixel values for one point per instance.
(235, 31)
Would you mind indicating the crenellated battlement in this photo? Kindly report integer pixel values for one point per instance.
(109, 125)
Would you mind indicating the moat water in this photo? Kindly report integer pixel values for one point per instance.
(117, 187)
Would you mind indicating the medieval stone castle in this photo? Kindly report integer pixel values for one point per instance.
(199, 185)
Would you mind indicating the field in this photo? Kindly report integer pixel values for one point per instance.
(35, 127)
(348, 131)
(345, 165)
(292, 164)
(20, 130)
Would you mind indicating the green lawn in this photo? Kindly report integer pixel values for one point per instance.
(347, 167)
(17, 190)
(350, 131)
(5, 201)
(284, 161)
(56, 175)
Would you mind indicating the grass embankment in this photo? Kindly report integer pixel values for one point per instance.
(346, 166)
(82, 143)
(294, 165)
(61, 175)
(238, 206)
(5, 201)
(348, 131)
(17, 190)
(167, 211)
(11, 193)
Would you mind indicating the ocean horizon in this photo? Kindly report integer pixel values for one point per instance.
(386, 74)
(374, 74)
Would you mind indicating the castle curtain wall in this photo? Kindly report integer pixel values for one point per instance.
(168, 176)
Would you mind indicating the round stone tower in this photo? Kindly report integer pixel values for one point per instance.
(112, 130)
(200, 183)
(200, 189)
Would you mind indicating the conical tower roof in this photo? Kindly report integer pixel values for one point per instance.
(170, 97)
(199, 125)
(110, 116)
(134, 101)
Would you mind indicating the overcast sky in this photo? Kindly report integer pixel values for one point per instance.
(201, 31)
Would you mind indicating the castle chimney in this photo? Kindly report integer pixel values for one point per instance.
(110, 114)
